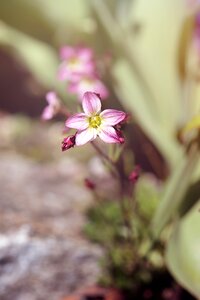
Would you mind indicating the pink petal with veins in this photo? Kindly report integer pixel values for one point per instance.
(77, 121)
(112, 116)
(109, 135)
(91, 103)
(85, 136)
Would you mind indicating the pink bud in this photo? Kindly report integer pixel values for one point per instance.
(120, 136)
(68, 142)
(134, 176)
(89, 184)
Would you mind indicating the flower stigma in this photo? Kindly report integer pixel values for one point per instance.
(95, 121)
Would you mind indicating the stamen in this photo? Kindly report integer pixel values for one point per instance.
(95, 121)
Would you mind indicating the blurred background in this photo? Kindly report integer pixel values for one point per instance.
(143, 49)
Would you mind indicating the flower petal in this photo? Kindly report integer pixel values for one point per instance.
(63, 72)
(52, 98)
(91, 103)
(85, 136)
(112, 117)
(47, 113)
(86, 54)
(77, 121)
(66, 52)
(109, 135)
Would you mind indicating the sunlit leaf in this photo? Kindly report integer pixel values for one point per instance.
(183, 252)
(191, 198)
(175, 192)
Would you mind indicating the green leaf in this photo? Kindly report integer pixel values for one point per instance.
(183, 252)
(147, 195)
(175, 192)
(191, 198)
(136, 100)
(46, 20)
(40, 58)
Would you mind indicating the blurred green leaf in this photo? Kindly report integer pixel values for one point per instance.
(191, 198)
(136, 100)
(174, 194)
(47, 20)
(40, 58)
(148, 83)
(147, 194)
(183, 252)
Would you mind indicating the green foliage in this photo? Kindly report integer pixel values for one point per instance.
(175, 192)
(105, 223)
(148, 191)
(123, 264)
(191, 198)
(183, 251)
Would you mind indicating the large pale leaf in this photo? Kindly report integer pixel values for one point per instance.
(183, 252)
(191, 198)
(175, 192)
(46, 20)
(135, 99)
(155, 49)
(147, 70)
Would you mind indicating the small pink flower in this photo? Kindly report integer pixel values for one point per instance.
(93, 122)
(68, 142)
(76, 61)
(88, 83)
(53, 106)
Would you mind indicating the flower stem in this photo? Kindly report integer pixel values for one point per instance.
(107, 158)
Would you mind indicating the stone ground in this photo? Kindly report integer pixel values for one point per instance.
(43, 251)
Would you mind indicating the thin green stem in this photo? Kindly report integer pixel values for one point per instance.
(106, 158)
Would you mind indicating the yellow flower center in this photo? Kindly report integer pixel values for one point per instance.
(95, 121)
(73, 61)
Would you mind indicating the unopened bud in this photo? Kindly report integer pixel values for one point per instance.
(68, 142)
(89, 184)
(135, 174)
(121, 138)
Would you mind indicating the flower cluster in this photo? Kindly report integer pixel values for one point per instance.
(79, 70)
(93, 123)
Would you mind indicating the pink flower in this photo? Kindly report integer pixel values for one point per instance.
(93, 122)
(88, 83)
(76, 61)
(53, 106)
(68, 142)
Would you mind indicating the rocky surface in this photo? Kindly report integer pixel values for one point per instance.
(43, 252)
